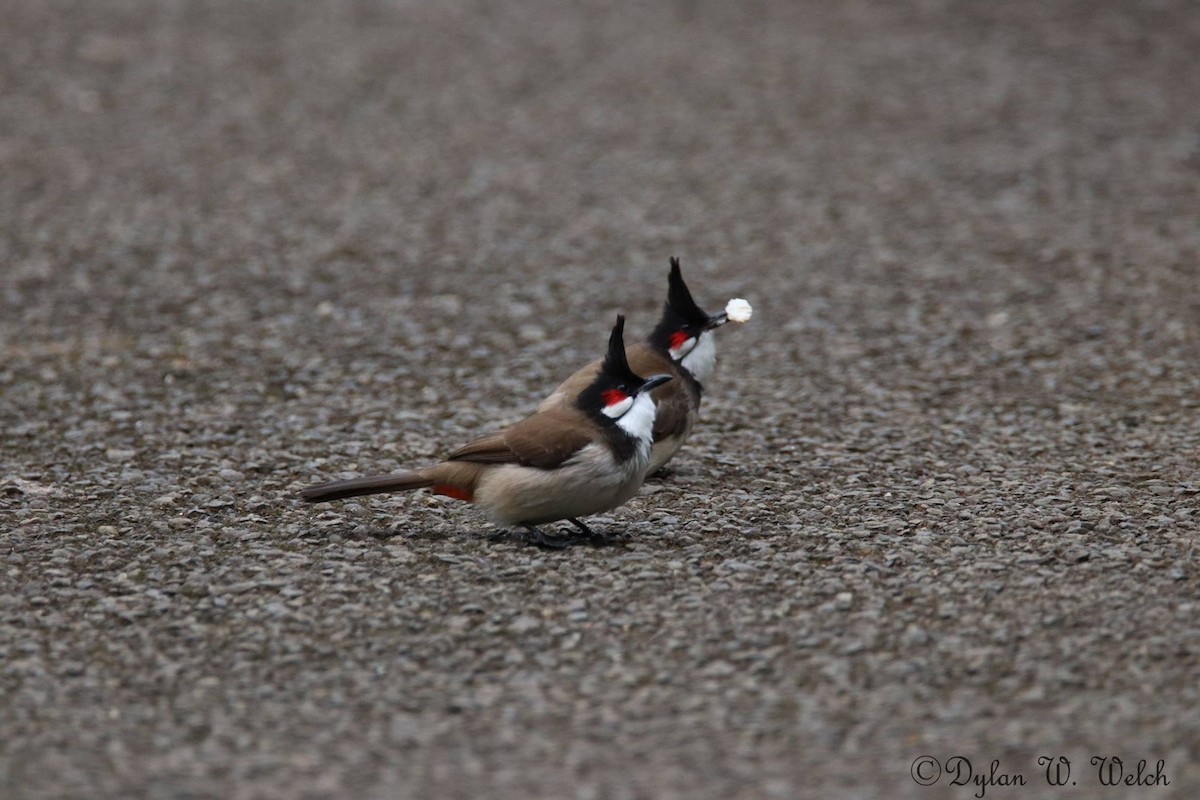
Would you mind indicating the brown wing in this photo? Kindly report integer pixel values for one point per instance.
(672, 404)
(543, 440)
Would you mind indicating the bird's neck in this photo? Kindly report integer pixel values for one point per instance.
(638, 421)
(702, 358)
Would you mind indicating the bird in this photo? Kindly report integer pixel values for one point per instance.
(582, 457)
(681, 345)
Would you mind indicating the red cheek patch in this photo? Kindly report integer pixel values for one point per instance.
(677, 339)
(453, 491)
(612, 396)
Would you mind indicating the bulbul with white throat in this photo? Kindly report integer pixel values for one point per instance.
(579, 458)
(681, 346)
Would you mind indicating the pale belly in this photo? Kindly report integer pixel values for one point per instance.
(588, 484)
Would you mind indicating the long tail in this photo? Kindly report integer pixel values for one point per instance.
(372, 484)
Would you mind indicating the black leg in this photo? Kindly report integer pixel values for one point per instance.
(540, 539)
(595, 538)
(591, 533)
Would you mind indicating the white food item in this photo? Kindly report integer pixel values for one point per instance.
(738, 310)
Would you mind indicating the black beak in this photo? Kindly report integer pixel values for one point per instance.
(652, 382)
(716, 321)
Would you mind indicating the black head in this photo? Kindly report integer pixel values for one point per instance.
(616, 386)
(682, 321)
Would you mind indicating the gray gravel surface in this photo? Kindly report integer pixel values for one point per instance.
(943, 500)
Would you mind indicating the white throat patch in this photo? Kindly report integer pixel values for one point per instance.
(702, 358)
(638, 422)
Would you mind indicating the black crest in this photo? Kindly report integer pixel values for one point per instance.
(680, 312)
(679, 298)
(616, 367)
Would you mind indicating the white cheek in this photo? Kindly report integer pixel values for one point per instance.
(617, 410)
(677, 353)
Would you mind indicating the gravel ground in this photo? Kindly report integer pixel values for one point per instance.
(943, 500)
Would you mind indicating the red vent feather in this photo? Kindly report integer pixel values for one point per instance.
(452, 491)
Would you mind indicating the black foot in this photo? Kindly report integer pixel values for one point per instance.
(539, 538)
(661, 474)
(593, 537)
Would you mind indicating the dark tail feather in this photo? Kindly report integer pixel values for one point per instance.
(356, 487)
